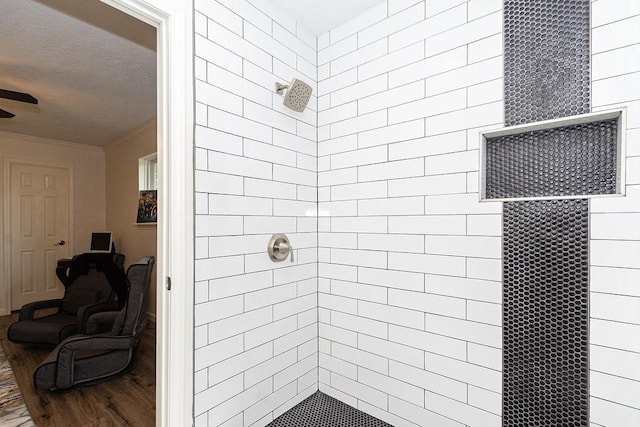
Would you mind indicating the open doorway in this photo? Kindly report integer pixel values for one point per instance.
(74, 171)
(175, 226)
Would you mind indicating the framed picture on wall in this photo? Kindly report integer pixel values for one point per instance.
(148, 206)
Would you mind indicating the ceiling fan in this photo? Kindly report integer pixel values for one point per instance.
(15, 96)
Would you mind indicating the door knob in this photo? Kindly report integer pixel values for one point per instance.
(60, 243)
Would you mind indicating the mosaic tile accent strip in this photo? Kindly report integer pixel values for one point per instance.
(321, 410)
(546, 59)
(13, 411)
(546, 313)
(570, 160)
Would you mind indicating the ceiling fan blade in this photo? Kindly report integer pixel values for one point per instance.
(17, 96)
(5, 114)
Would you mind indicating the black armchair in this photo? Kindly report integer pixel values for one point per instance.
(87, 359)
(92, 282)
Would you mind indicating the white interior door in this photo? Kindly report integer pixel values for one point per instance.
(39, 223)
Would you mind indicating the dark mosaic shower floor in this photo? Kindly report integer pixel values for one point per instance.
(320, 410)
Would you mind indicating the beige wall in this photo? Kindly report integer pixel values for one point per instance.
(104, 185)
(121, 160)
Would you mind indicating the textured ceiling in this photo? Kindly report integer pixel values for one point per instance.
(320, 16)
(92, 68)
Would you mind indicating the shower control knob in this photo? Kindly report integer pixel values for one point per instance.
(279, 248)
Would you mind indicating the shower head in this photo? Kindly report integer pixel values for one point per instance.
(298, 94)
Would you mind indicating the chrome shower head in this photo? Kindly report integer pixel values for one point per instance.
(297, 96)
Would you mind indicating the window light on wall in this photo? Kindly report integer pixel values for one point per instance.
(148, 186)
(148, 172)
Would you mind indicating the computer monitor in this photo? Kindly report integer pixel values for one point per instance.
(101, 241)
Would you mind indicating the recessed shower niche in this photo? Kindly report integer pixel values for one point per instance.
(571, 157)
(545, 172)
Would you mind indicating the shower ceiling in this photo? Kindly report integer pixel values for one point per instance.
(320, 16)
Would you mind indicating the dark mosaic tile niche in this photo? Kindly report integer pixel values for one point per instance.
(320, 410)
(546, 59)
(570, 160)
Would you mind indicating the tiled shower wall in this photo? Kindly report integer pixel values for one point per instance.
(409, 286)
(255, 320)
(615, 225)
(410, 270)
(410, 262)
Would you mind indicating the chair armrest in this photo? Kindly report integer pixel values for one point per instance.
(97, 342)
(100, 322)
(87, 311)
(28, 310)
(68, 348)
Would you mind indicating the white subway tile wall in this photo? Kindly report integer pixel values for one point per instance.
(410, 292)
(394, 303)
(615, 230)
(256, 321)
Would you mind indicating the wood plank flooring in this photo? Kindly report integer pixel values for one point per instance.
(128, 400)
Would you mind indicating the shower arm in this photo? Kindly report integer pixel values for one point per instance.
(280, 88)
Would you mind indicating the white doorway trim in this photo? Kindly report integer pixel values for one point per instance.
(174, 335)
